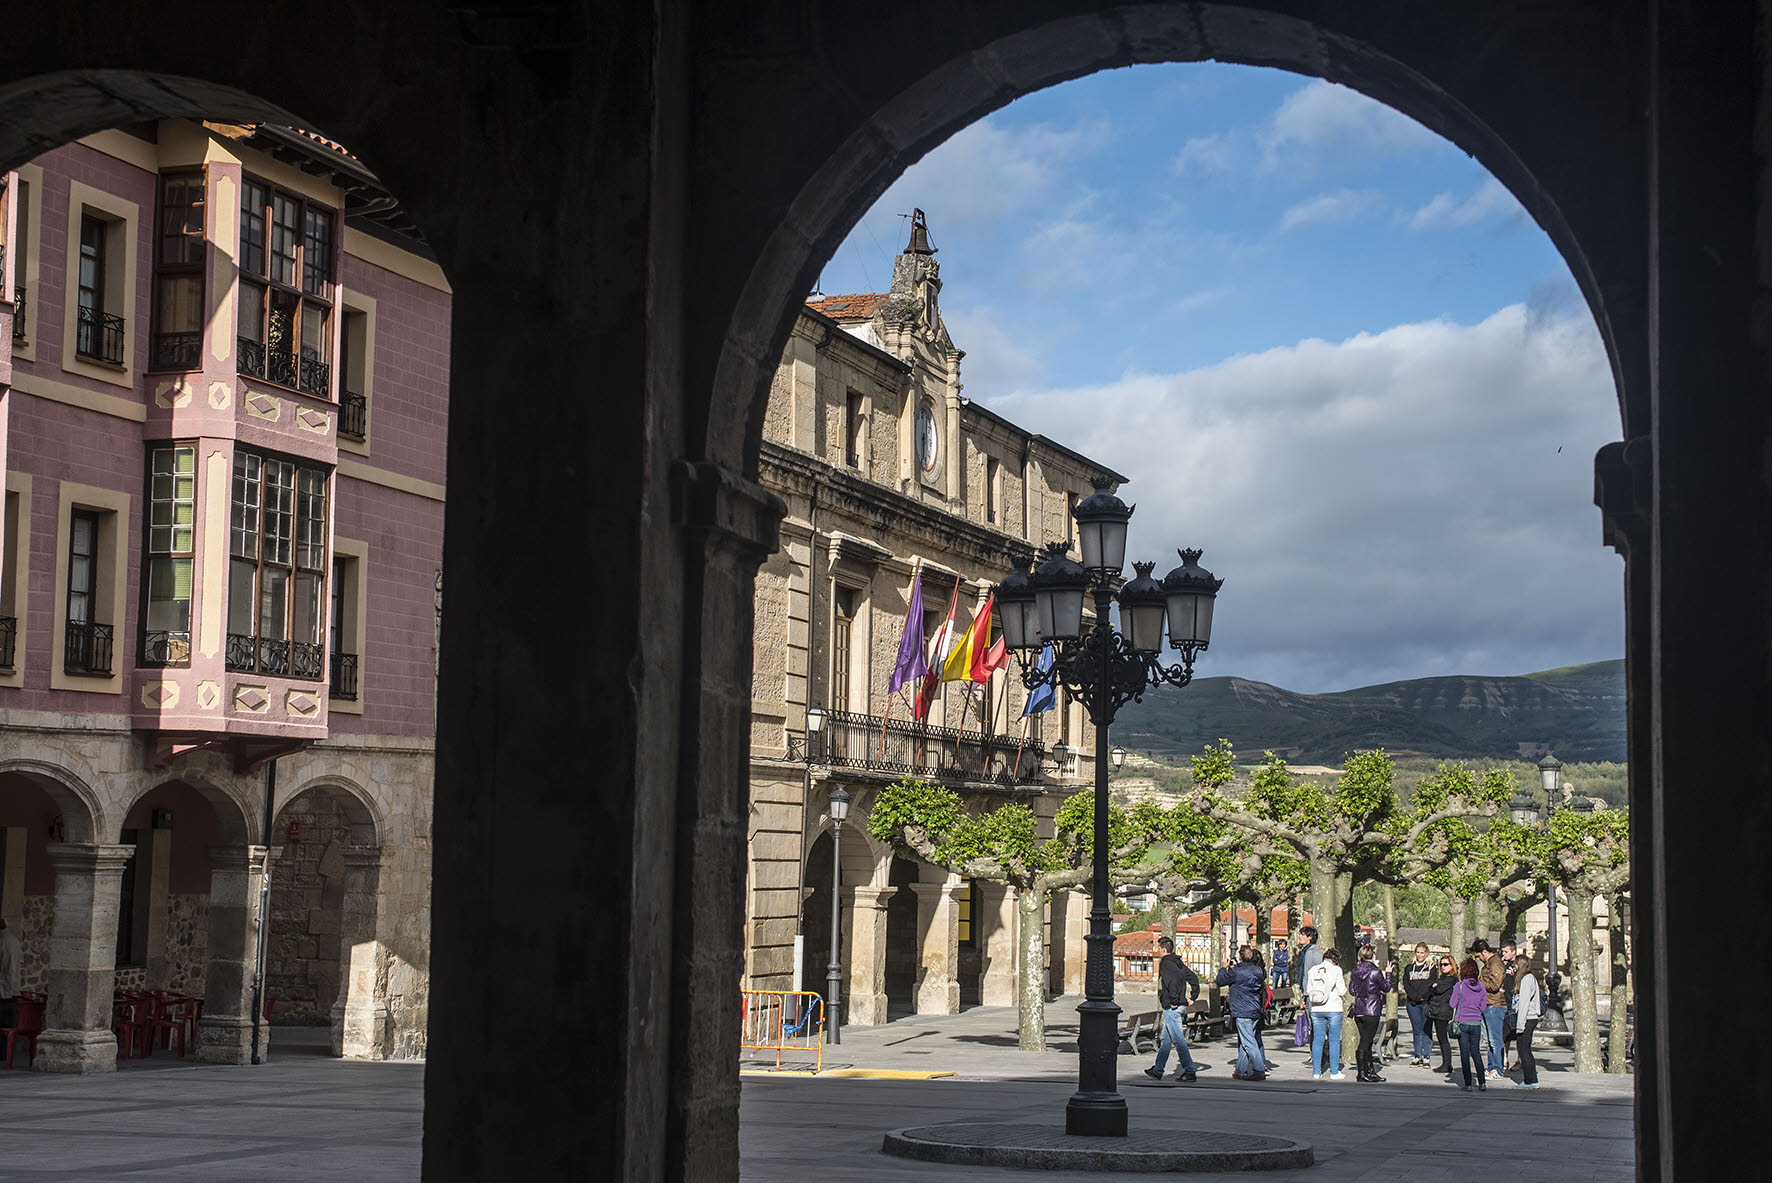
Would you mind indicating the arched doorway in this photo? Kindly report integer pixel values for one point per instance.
(815, 917)
(321, 961)
(36, 811)
(164, 897)
(904, 944)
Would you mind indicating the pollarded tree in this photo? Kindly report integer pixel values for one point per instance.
(1588, 854)
(1003, 846)
(1344, 834)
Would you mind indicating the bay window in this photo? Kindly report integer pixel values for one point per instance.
(171, 556)
(286, 260)
(178, 274)
(277, 568)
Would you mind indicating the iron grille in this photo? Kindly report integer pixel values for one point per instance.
(933, 753)
(8, 640)
(343, 680)
(242, 653)
(273, 656)
(353, 417)
(88, 648)
(18, 314)
(307, 374)
(307, 660)
(175, 351)
(163, 647)
(99, 335)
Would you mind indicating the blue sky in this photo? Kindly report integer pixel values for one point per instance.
(1324, 343)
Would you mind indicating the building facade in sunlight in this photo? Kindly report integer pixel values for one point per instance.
(894, 478)
(223, 382)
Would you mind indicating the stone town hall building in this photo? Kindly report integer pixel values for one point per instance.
(886, 470)
(223, 381)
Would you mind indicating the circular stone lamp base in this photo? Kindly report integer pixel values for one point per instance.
(1046, 1148)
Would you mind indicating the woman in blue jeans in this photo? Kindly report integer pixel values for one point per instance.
(1327, 983)
(1468, 1000)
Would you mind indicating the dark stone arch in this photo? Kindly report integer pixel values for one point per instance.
(82, 817)
(956, 70)
(360, 810)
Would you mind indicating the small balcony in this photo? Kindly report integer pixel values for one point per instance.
(278, 658)
(88, 649)
(99, 336)
(353, 415)
(18, 314)
(163, 648)
(309, 375)
(895, 747)
(8, 641)
(175, 351)
(342, 680)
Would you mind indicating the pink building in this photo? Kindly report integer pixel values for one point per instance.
(223, 382)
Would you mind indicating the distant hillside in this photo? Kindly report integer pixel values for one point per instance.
(1578, 711)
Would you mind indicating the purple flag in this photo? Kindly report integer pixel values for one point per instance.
(912, 662)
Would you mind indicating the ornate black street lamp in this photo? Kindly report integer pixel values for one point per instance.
(1525, 811)
(833, 1025)
(1103, 669)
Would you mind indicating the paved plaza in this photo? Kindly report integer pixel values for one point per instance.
(306, 1116)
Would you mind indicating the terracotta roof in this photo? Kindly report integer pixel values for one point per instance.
(859, 306)
(1135, 944)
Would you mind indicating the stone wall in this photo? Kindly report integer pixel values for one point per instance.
(187, 943)
(307, 902)
(33, 941)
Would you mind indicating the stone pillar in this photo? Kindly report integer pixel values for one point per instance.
(938, 924)
(864, 930)
(82, 958)
(236, 875)
(360, 1015)
(998, 946)
(1076, 927)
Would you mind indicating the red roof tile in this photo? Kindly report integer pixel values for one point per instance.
(859, 306)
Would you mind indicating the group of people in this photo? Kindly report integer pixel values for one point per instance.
(1471, 1001)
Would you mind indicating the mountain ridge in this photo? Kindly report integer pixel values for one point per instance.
(1575, 711)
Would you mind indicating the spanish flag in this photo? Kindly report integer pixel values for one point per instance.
(974, 658)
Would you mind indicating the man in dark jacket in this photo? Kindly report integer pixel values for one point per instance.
(1246, 984)
(1177, 985)
(1418, 983)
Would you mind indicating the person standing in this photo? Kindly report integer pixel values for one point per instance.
(1282, 964)
(1177, 985)
(1469, 1000)
(1370, 985)
(1310, 954)
(1439, 1009)
(1324, 992)
(1528, 1009)
(1247, 983)
(1492, 972)
(1417, 983)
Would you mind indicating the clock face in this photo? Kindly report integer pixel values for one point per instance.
(928, 441)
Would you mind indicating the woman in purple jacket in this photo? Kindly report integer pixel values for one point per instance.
(1468, 1000)
(1370, 985)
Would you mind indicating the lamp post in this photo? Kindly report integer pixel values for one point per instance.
(1103, 669)
(1525, 811)
(833, 1029)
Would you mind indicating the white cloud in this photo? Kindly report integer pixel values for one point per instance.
(1194, 301)
(1341, 206)
(1391, 505)
(989, 170)
(1000, 356)
(1491, 198)
(1324, 117)
(1204, 156)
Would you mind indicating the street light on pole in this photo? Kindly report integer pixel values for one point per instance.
(834, 976)
(1103, 669)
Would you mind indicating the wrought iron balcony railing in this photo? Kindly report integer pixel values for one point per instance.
(307, 660)
(175, 351)
(342, 682)
(268, 655)
(162, 647)
(8, 641)
(18, 314)
(934, 753)
(353, 415)
(99, 336)
(88, 648)
(309, 375)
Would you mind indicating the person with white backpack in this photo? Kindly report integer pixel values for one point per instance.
(1325, 989)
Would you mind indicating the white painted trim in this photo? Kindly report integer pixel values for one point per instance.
(83, 197)
(19, 551)
(349, 302)
(78, 396)
(390, 480)
(114, 549)
(32, 241)
(124, 147)
(357, 596)
(388, 257)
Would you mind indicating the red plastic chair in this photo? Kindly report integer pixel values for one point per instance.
(129, 1020)
(28, 1025)
(161, 1021)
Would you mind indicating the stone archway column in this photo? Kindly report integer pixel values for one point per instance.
(864, 928)
(938, 923)
(236, 874)
(360, 1014)
(82, 958)
(998, 988)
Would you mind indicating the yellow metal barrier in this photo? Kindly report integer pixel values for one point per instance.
(783, 1021)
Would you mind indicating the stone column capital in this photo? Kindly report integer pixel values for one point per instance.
(365, 858)
(246, 858)
(868, 897)
(88, 858)
(937, 892)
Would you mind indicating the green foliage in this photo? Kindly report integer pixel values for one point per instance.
(1417, 907)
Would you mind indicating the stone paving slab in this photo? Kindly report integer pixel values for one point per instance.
(1043, 1147)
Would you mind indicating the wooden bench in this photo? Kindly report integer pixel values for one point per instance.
(1144, 1025)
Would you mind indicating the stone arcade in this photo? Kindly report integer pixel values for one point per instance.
(628, 198)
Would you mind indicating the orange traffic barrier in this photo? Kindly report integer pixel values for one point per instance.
(783, 1021)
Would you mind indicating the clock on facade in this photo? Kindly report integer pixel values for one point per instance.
(928, 439)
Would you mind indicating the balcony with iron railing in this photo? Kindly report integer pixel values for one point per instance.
(353, 415)
(99, 336)
(342, 682)
(278, 658)
(309, 375)
(87, 650)
(175, 351)
(8, 641)
(18, 314)
(163, 647)
(895, 747)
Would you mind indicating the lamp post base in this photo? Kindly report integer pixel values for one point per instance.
(1095, 1115)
